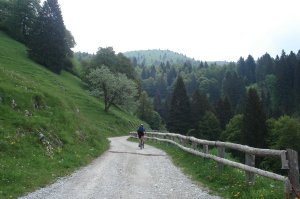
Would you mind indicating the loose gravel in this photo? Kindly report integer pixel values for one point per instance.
(125, 171)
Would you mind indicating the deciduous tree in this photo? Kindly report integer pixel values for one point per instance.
(114, 88)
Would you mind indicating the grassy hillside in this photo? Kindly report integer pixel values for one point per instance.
(54, 126)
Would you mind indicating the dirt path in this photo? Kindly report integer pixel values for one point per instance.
(125, 171)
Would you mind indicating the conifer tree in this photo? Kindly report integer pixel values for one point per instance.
(254, 129)
(199, 105)
(48, 45)
(223, 112)
(179, 113)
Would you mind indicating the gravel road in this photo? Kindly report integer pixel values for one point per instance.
(125, 171)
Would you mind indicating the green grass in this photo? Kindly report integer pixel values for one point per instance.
(229, 184)
(72, 121)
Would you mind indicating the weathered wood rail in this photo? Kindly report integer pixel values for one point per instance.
(289, 158)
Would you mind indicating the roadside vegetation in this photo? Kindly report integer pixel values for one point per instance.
(230, 183)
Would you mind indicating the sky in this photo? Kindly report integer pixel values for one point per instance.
(210, 30)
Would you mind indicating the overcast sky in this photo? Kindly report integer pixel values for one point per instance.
(208, 30)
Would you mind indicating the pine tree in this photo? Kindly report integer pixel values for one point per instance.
(48, 45)
(223, 112)
(157, 103)
(265, 66)
(199, 105)
(234, 89)
(250, 69)
(254, 129)
(179, 113)
(285, 81)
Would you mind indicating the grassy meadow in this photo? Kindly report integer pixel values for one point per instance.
(49, 124)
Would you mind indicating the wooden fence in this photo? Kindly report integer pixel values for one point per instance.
(289, 158)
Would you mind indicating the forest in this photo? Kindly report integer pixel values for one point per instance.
(252, 102)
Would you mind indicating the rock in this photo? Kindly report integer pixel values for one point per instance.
(41, 137)
(28, 113)
(13, 104)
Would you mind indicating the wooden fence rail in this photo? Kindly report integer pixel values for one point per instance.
(289, 158)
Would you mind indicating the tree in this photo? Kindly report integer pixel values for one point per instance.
(209, 127)
(5, 13)
(199, 105)
(254, 127)
(115, 89)
(116, 63)
(285, 82)
(157, 103)
(250, 69)
(265, 66)
(179, 113)
(146, 113)
(284, 134)
(233, 130)
(234, 89)
(48, 45)
(21, 20)
(144, 110)
(223, 111)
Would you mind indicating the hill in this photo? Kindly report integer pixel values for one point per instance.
(156, 57)
(49, 124)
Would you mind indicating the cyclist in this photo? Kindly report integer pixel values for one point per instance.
(141, 133)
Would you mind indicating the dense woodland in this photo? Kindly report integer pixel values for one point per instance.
(41, 29)
(253, 102)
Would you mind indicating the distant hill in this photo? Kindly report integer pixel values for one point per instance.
(155, 57)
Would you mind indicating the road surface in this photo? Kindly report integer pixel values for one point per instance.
(125, 171)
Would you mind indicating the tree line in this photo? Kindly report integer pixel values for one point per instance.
(41, 29)
(252, 102)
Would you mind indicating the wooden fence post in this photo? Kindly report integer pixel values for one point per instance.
(250, 161)
(221, 153)
(194, 145)
(293, 172)
(181, 141)
(205, 148)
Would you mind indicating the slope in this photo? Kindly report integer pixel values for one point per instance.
(49, 124)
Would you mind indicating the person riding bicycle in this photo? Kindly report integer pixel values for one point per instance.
(141, 133)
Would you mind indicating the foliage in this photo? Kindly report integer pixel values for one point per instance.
(48, 44)
(254, 129)
(116, 63)
(199, 105)
(21, 18)
(209, 127)
(146, 113)
(114, 88)
(223, 112)
(233, 130)
(228, 184)
(179, 113)
(234, 89)
(285, 133)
